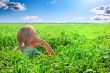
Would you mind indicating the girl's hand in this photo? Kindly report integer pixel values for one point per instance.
(37, 41)
(50, 52)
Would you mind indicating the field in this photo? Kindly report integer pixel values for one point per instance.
(79, 48)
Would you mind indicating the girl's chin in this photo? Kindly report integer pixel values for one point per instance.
(33, 45)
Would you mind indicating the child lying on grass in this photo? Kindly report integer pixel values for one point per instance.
(28, 39)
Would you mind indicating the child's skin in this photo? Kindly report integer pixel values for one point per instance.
(27, 37)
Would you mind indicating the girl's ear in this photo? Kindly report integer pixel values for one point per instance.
(22, 45)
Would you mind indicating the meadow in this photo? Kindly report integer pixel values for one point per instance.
(79, 48)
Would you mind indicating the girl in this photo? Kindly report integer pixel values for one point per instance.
(28, 39)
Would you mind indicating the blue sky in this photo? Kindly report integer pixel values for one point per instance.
(27, 11)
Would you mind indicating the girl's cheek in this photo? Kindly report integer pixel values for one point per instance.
(34, 44)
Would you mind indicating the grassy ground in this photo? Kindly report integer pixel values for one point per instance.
(78, 48)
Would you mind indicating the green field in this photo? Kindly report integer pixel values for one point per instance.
(79, 48)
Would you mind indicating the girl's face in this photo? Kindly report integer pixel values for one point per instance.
(32, 40)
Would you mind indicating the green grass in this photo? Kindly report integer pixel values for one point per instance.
(79, 48)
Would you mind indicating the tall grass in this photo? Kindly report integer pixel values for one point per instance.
(78, 48)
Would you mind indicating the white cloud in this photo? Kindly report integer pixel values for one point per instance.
(97, 11)
(5, 4)
(102, 10)
(16, 6)
(4, 0)
(32, 18)
(52, 2)
(101, 18)
(95, 1)
(102, 13)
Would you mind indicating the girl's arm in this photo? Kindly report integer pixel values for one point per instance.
(46, 45)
